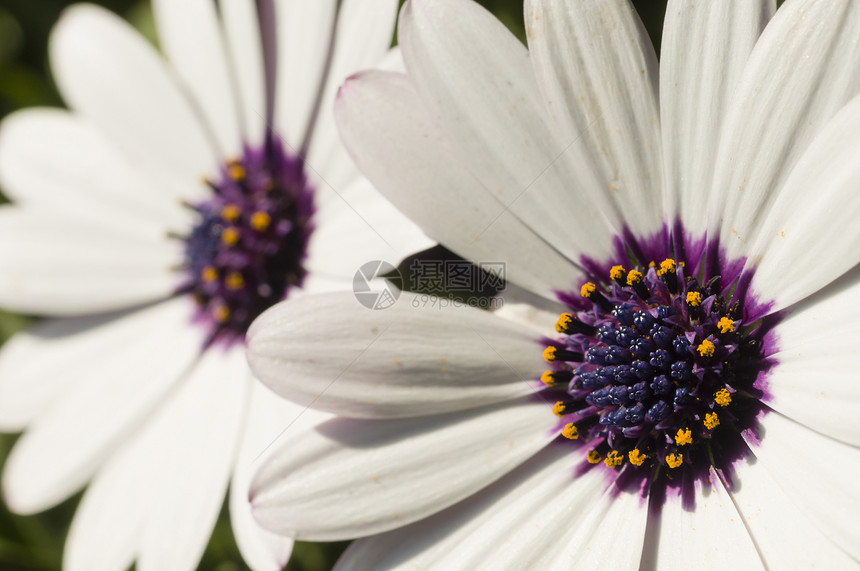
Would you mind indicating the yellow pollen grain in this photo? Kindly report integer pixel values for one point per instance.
(548, 378)
(570, 432)
(667, 266)
(209, 274)
(230, 212)
(593, 457)
(683, 437)
(712, 420)
(723, 397)
(726, 325)
(706, 348)
(235, 281)
(674, 459)
(549, 353)
(613, 459)
(230, 236)
(559, 408)
(260, 221)
(564, 320)
(634, 277)
(616, 273)
(236, 171)
(587, 290)
(221, 313)
(636, 457)
(694, 299)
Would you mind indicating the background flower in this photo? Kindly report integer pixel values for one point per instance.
(157, 218)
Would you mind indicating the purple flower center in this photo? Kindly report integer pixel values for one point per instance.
(246, 250)
(655, 369)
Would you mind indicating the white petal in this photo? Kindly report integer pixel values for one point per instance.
(40, 365)
(270, 419)
(478, 82)
(393, 61)
(107, 72)
(359, 227)
(799, 75)
(710, 532)
(54, 160)
(597, 70)
(190, 35)
(69, 267)
(813, 381)
(695, 92)
(110, 395)
(304, 36)
(331, 352)
(350, 478)
(522, 306)
(785, 538)
(364, 34)
(818, 473)
(811, 235)
(198, 432)
(105, 532)
(538, 516)
(242, 33)
(384, 124)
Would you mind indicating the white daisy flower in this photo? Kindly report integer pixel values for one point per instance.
(699, 404)
(158, 217)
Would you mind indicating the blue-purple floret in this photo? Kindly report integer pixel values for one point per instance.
(654, 365)
(264, 200)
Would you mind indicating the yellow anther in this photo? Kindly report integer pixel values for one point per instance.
(726, 325)
(616, 273)
(712, 420)
(651, 264)
(570, 432)
(260, 221)
(564, 320)
(694, 299)
(548, 378)
(221, 313)
(706, 348)
(588, 290)
(723, 397)
(230, 236)
(667, 266)
(683, 437)
(634, 277)
(593, 457)
(636, 457)
(236, 171)
(613, 459)
(230, 212)
(559, 408)
(235, 281)
(209, 274)
(549, 353)
(674, 459)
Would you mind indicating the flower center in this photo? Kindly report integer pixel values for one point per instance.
(654, 372)
(247, 248)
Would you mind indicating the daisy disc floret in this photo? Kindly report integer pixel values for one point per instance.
(654, 371)
(249, 243)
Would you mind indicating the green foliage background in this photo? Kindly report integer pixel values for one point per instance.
(35, 543)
